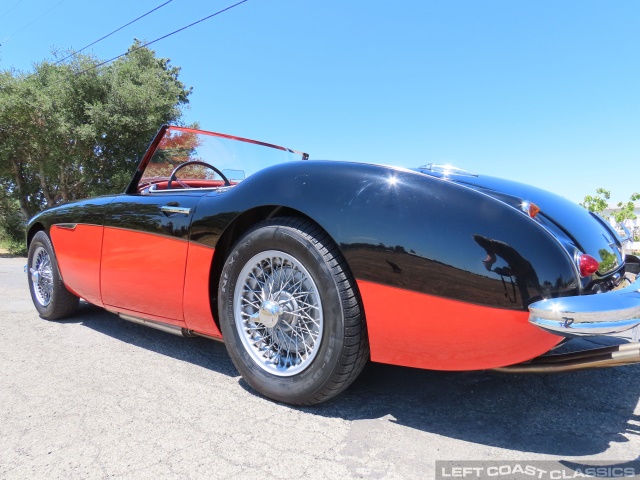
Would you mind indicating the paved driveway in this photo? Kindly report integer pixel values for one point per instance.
(96, 397)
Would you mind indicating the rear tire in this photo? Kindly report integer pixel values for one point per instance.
(49, 294)
(290, 313)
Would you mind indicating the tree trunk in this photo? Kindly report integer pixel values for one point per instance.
(45, 187)
(22, 199)
(64, 188)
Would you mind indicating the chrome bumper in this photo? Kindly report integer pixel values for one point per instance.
(600, 314)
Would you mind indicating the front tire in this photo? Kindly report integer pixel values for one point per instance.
(49, 294)
(290, 313)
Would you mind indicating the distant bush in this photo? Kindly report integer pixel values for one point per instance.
(12, 228)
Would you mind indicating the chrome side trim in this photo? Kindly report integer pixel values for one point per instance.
(165, 327)
(192, 333)
(66, 226)
(582, 315)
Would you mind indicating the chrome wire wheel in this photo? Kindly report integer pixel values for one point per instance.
(290, 312)
(41, 274)
(278, 313)
(50, 296)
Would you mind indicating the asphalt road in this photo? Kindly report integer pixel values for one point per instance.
(97, 397)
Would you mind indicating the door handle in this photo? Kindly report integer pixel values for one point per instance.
(175, 209)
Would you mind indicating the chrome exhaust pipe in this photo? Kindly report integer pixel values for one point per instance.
(618, 355)
(193, 333)
(165, 327)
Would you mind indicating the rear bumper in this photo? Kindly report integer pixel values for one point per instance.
(600, 314)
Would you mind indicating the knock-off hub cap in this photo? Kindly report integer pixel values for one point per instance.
(35, 275)
(270, 313)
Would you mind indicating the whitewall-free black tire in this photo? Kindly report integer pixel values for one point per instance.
(49, 294)
(290, 313)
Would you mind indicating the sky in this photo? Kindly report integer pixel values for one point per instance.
(541, 92)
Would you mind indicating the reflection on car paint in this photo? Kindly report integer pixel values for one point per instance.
(517, 267)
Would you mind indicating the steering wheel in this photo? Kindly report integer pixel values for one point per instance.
(173, 177)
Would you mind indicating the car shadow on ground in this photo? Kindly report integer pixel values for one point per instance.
(198, 351)
(567, 414)
(572, 414)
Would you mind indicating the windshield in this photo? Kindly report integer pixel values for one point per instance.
(236, 158)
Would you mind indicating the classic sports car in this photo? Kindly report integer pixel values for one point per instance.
(308, 269)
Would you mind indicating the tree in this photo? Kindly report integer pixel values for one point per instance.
(75, 129)
(626, 209)
(598, 204)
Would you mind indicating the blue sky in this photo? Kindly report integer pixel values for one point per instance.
(543, 92)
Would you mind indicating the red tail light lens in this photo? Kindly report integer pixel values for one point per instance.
(588, 265)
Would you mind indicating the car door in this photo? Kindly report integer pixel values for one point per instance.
(144, 253)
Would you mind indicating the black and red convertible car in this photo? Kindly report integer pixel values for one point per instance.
(308, 269)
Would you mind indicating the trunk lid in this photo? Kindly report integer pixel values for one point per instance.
(590, 234)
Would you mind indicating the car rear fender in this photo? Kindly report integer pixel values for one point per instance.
(400, 228)
(413, 240)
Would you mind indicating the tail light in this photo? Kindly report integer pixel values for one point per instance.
(587, 264)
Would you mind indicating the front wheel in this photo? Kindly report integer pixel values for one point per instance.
(290, 313)
(49, 294)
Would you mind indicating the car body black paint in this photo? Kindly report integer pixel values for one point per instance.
(395, 227)
(406, 230)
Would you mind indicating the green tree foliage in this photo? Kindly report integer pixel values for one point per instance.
(599, 202)
(11, 225)
(626, 209)
(71, 130)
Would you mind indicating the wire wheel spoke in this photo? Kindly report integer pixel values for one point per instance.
(42, 276)
(278, 313)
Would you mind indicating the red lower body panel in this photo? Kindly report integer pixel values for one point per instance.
(197, 303)
(143, 273)
(424, 331)
(78, 253)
